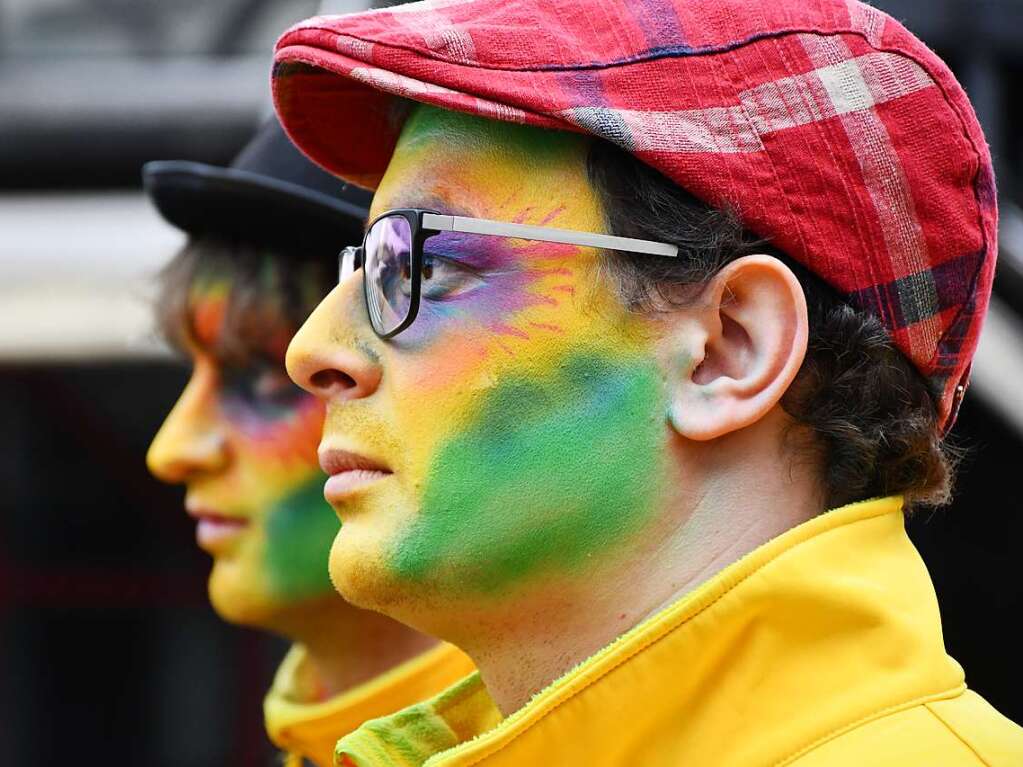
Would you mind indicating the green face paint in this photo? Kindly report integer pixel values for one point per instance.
(552, 472)
(300, 529)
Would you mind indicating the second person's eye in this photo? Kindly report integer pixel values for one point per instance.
(273, 385)
(261, 388)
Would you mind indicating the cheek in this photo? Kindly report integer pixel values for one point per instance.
(524, 325)
(285, 441)
(549, 472)
(300, 528)
(273, 459)
(461, 350)
(298, 524)
(520, 316)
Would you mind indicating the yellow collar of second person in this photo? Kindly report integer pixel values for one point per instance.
(310, 730)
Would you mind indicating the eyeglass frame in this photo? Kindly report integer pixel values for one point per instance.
(424, 224)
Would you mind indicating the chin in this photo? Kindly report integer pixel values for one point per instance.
(238, 599)
(359, 571)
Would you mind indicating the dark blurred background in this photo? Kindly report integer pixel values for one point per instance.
(109, 652)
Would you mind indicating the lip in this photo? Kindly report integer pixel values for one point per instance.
(348, 473)
(215, 531)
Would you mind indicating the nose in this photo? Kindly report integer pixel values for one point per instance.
(190, 441)
(324, 358)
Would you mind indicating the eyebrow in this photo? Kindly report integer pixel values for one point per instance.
(428, 202)
(451, 219)
(234, 348)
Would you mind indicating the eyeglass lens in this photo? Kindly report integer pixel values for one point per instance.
(388, 265)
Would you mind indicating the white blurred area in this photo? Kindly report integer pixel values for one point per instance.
(77, 276)
(998, 364)
(89, 90)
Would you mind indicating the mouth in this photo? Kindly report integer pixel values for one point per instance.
(348, 473)
(213, 530)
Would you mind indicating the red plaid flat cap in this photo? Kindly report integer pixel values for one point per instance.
(826, 125)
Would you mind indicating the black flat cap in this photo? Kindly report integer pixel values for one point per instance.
(270, 195)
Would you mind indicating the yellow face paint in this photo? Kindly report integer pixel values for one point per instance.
(522, 412)
(243, 438)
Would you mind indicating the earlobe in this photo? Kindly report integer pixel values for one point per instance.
(742, 344)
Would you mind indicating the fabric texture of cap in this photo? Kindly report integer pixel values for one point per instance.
(828, 127)
(271, 194)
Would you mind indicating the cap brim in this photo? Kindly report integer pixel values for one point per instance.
(315, 95)
(209, 200)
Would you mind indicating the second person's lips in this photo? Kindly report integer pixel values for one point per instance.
(348, 472)
(215, 530)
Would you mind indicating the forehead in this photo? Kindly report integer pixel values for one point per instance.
(209, 295)
(469, 165)
(232, 312)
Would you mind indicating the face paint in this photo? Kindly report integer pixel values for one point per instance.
(524, 487)
(299, 534)
(522, 414)
(259, 497)
(493, 280)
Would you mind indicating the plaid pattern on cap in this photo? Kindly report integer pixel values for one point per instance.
(825, 124)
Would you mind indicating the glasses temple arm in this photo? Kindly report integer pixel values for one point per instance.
(441, 223)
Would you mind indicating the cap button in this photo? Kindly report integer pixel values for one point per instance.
(957, 400)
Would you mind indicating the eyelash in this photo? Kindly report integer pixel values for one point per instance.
(240, 391)
(467, 274)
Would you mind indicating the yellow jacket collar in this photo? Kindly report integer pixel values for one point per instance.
(311, 729)
(829, 625)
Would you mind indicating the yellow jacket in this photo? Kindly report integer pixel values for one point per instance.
(310, 730)
(822, 647)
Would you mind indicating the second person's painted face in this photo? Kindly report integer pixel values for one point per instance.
(521, 417)
(242, 439)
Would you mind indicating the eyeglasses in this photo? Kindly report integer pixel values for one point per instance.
(391, 256)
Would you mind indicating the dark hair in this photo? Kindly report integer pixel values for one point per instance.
(869, 414)
(267, 285)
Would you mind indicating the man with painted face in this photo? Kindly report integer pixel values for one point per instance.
(263, 239)
(652, 341)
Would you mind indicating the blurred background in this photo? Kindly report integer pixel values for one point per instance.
(109, 652)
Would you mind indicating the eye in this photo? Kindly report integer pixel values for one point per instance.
(272, 385)
(260, 388)
(444, 279)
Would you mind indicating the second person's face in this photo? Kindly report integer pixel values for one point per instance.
(242, 439)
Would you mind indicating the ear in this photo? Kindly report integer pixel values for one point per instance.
(739, 347)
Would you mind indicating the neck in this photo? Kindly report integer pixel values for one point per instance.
(347, 646)
(727, 514)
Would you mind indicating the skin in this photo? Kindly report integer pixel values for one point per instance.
(242, 439)
(562, 466)
(257, 465)
(490, 357)
(574, 419)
